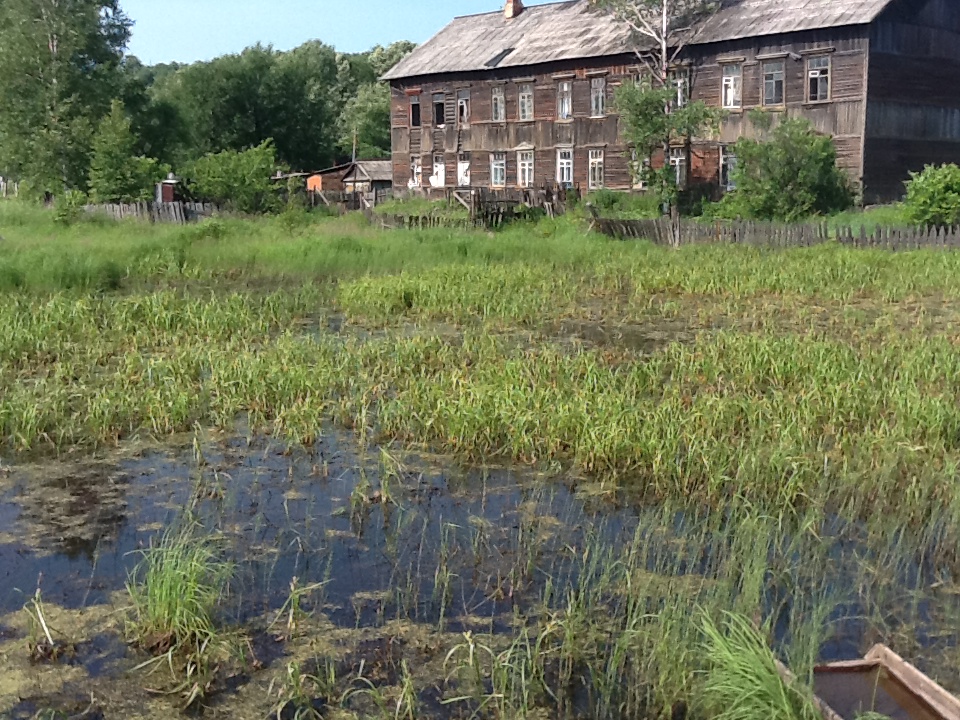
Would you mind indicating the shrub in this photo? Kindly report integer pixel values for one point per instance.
(933, 196)
(69, 207)
(790, 177)
(241, 180)
(117, 173)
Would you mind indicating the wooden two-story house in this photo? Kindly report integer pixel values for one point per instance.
(524, 95)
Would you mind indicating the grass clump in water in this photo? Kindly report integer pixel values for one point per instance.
(175, 592)
(743, 681)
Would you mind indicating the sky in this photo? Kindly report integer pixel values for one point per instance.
(189, 30)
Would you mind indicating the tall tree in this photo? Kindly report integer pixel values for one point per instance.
(365, 122)
(658, 112)
(60, 61)
(117, 172)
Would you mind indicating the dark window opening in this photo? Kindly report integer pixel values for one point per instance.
(415, 119)
(463, 107)
(439, 110)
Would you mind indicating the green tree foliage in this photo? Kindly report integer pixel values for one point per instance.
(60, 61)
(366, 117)
(383, 58)
(790, 177)
(239, 179)
(933, 196)
(651, 124)
(117, 172)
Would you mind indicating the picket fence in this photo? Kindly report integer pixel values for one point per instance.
(178, 213)
(674, 233)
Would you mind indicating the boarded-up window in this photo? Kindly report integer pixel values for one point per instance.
(498, 105)
(525, 166)
(439, 109)
(598, 97)
(526, 102)
(498, 170)
(596, 169)
(773, 81)
(416, 171)
(818, 79)
(463, 170)
(439, 178)
(732, 85)
(565, 100)
(415, 119)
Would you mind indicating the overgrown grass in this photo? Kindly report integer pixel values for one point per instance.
(175, 593)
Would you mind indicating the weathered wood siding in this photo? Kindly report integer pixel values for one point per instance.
(842, 116)
(913, 113)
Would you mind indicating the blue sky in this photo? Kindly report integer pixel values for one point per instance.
(189, 30)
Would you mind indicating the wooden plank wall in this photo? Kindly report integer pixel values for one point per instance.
(175, 212)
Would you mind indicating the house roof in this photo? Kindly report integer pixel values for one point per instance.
(574, 30)
(372, 170)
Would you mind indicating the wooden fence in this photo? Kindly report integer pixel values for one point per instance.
(9, 189)
(176, 212)
(674, 233)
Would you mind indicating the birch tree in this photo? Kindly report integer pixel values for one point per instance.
(656, 111)
(60, 61)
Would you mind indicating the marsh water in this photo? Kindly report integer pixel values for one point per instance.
(393, 545)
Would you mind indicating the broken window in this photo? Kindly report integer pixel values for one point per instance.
(596, 170)
(526, 102)
(463, 107)
(439, 109)
(565, 100)
(439, 178)
(818, 78)
(415, 118)
(525, 166)
(728, 163)
(565, 167)
(598, 97)
(499, 105)
(773, 80)
(732, 85)
(678, 161)
(416, 172)
(498, 170)
(463, 170)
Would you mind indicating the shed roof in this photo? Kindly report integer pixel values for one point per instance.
(574, 30)
(373, 170)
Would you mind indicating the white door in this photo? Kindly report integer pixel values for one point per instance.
(463, 173)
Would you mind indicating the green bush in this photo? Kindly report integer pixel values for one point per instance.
(611, 203)
(117, 173)
(68, 208)
(933, 196)
(791, 177)
(239, 180)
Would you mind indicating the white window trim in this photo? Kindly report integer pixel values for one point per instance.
(528, 166)
(439, 179)
(565, 97)
(596, 160)
(809, 76)
(498, 100)
(598, 91)
(528, 92)
(783, 82)
(498, 159)
(678, 160)
(562, 164)
(735, 84)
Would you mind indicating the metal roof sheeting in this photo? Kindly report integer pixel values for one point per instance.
(573, 30)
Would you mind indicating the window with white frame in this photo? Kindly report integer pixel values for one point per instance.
(818, 79)
(640, 169)
(525, 102)
(498, 170)
(463, 170)
(678, 161)
(565, 100)
(732, 86)
(598, 97)
(774, 74)
(565, 167)
(439, 177)
(681, 81)
(525, 166)
(728, 163)
(596, 170)
(463, 107)
(498, 105)
(416, 171)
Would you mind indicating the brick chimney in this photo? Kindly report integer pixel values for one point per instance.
(512, 9)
